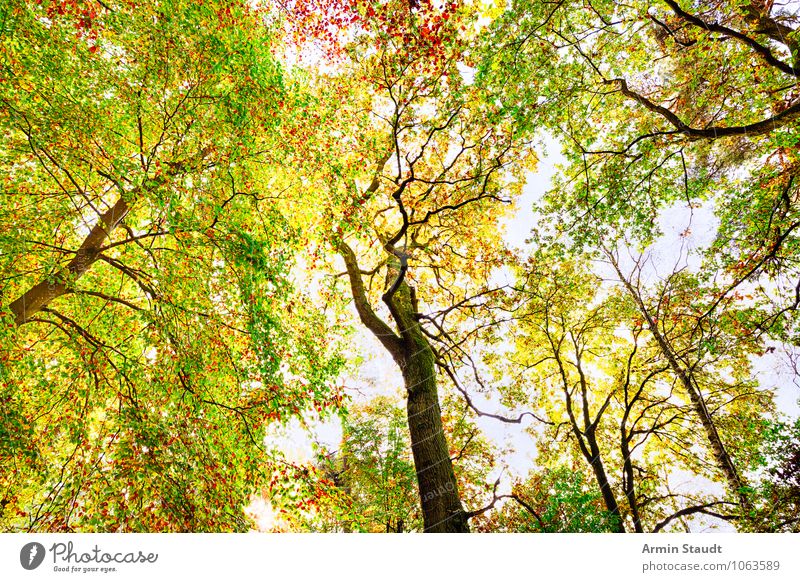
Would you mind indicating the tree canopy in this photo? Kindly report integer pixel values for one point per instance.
(217, 217)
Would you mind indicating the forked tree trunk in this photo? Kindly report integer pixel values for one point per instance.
(629, 483)
(598, 468)
(442, 510)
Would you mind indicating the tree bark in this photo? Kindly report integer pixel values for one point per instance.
(610, 500)
(441, 506)
(586, 436)
(629, 483)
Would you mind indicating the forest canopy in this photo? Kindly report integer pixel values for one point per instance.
(262, 266)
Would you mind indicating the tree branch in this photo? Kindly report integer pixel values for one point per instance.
(41, 294)
(379, 328)
(762, 51)
(713, 132)
(694, 509)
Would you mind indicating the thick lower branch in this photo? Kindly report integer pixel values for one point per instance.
(41, 294)
(760, 49)
(379, 328)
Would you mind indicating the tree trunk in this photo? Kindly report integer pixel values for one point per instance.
(442, 510)
(441, 506)
(587, 436)
(596, 462)
(736, 484)
(723, 459)
(628, 483)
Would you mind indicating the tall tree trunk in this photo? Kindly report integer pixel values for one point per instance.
(587, 434)
(596, 462)
(736, 484)
(629, 483)
(441, 506)
(442, 510)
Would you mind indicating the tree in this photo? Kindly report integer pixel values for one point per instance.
(375, 469)
(440, 159)
(586, 362)
(701, 113)
(200, 201)
(779, 491)
(696, 116)
(145, 276)
(555, 500)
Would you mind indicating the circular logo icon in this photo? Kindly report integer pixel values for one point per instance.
(31, 555)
